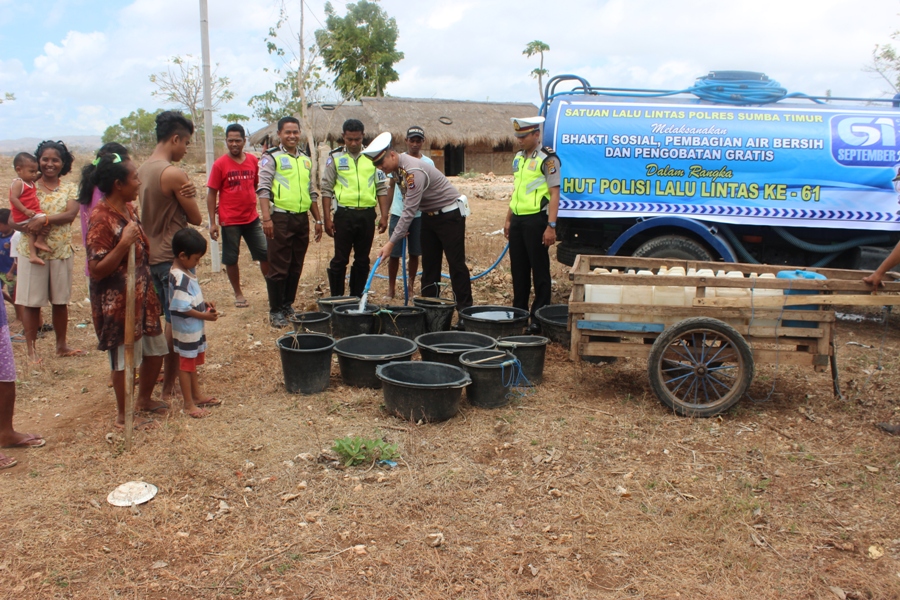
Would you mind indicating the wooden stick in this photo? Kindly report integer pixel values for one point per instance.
(129, 349)
(486, 359)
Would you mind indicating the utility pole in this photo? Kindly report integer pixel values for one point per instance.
(207, 119)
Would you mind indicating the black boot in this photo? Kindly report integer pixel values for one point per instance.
(290, 294)
(275, 290)
(335, 281)
(358, 278)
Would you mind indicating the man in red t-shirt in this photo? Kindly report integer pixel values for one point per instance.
(233, 183)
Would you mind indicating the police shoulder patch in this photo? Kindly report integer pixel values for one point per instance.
(329, 162)
(264, 160)
(380, 176)
(551, 165)
(410, 181)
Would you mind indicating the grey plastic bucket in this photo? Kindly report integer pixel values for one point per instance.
(306, 361)
(554, 320)
(531, 350)
(311, 322)
(495, 321)
(491, 374)
(422, 390)
(360, 355)
(447, 346)
(403, 321)
(328, 303)
(438, 312)
(347, 321)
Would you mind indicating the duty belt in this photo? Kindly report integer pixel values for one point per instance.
(446, 209)
(289, 212)
(340, 206)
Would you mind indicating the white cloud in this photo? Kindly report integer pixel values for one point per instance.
(447, 15)
(77, 52)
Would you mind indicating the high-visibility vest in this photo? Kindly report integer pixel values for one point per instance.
(530, 184)
(290, 186)
(354, 185)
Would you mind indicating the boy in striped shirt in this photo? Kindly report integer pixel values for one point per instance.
(189, 312)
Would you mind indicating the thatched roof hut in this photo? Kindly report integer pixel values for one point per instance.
(471, 129)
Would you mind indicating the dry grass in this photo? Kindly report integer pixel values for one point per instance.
(777, 499)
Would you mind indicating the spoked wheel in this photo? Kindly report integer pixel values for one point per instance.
(700, 367)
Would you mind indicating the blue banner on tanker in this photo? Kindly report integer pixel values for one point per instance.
(788, 166)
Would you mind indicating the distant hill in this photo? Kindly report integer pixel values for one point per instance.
(75, 143)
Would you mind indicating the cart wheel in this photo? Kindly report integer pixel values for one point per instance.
(700, 367)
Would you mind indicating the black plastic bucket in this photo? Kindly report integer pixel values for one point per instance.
(554, 320)
(438, 312)
(347, 321)
(403, 321)
(328, 303)
(421, 390)
(311, 322)
(358, 356)
(495, 321)
(306, 361)
(531, 351)
(447, 346)
(491, 374)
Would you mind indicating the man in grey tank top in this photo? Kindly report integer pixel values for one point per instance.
(168, 204)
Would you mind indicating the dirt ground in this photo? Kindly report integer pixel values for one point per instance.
(588, 488)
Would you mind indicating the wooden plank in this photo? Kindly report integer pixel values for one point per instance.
(781, 341)
(782, 332)
(800, 300)
(784, 357)
(575, 341)
(590, 262)
(834, 285)
(824, 345)
(684, 312)
(620, 350)
(621, 326)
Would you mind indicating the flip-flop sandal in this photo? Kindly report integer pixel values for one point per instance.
(7, 461)
(17, 338)
(71, 353)
(32, 441)
(209, 402)
(242, 303)
(160, 408)
(46, 327)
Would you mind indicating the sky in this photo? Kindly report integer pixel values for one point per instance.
(78, 66)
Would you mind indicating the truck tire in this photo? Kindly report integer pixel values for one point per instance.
(673, 246)
(566, 252)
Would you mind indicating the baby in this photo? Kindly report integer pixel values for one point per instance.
(25, 204)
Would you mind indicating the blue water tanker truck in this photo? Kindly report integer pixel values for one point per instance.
(733, 168)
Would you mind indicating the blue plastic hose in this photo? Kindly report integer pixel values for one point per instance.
(445, 275)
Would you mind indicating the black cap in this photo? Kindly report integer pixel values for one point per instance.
(415, 131)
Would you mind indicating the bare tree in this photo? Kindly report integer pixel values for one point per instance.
(886, 63)
(182, 84)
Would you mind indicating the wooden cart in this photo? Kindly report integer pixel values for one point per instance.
(701, 356)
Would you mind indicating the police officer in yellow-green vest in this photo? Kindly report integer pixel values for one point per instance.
(356, 187)
(286, 195)
(531, 220)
